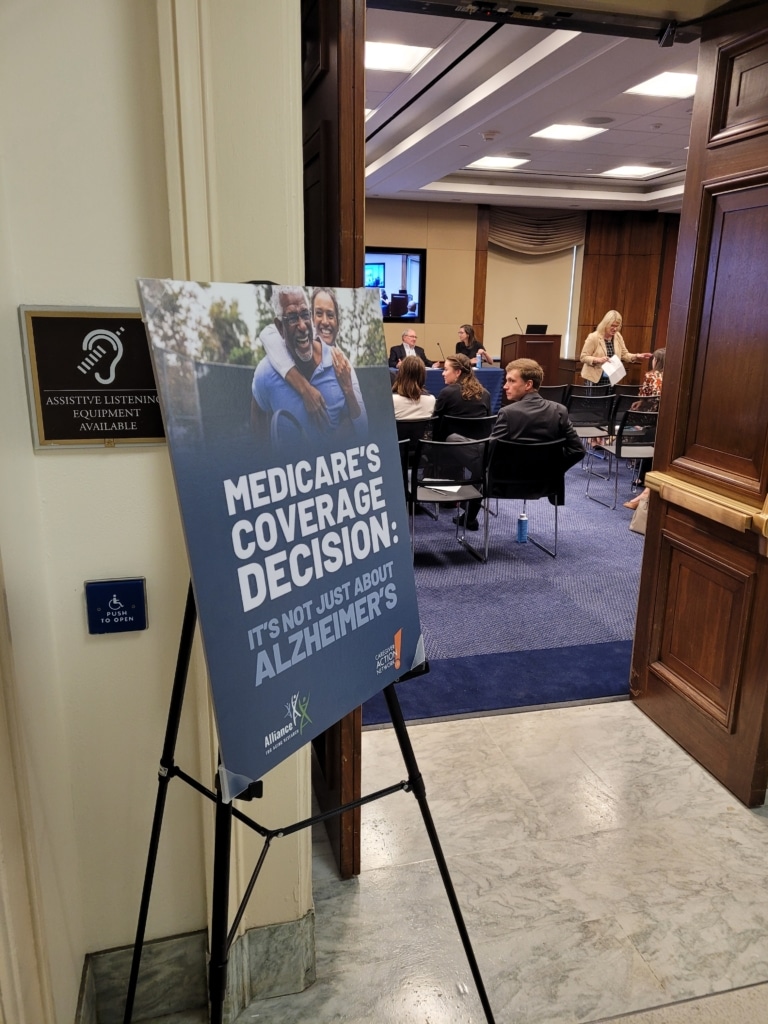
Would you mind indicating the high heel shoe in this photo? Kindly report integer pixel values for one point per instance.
(634, 502)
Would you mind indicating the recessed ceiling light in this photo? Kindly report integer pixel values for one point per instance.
(631, 171)
(670, 83)
(496, 163)
(598, 120)
(393, 56)
(571, 132)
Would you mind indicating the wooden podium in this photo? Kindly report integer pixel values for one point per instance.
(544, 348)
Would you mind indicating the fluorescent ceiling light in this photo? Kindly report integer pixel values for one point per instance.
(571, 132)
(496, 163)
(629, 171)
(394, 56)
(671, 84)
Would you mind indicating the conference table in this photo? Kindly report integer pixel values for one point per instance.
(492, 379)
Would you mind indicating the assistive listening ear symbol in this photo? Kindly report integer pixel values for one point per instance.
(92, 343)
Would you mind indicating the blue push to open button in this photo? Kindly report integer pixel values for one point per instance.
(116, 606)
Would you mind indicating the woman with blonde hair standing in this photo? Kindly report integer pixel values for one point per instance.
(604, 343)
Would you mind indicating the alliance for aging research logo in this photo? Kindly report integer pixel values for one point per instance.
(390, 656)
(297, 713)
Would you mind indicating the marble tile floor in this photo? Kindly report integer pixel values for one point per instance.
(602, 874)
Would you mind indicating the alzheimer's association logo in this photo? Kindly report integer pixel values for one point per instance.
(390, 656)
(297, 713)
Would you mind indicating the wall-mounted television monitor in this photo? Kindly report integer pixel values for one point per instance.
(375, 275)
(403, 280)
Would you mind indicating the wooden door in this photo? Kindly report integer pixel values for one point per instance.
(333, 53)
(700, 661)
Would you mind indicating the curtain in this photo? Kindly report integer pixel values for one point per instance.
(536, 232)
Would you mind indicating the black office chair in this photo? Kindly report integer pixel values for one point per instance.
(590, 415)
(621, 404)
(411, 431)
(555, 393)
(447, 472)
(588, 389)
(475, 428)
(626, 389)
(404, 446)
(398, 304)
(635, 439)
(529, 470)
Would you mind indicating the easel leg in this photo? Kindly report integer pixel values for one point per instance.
(217, 967)
(417, 785)
(165, 775)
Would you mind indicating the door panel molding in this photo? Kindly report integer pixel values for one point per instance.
(739, 107)
(705, 669)
(722, 434)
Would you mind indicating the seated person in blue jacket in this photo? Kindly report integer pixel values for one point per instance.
(321, 365)
(529, 417)
(408, 348)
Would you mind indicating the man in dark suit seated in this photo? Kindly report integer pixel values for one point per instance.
(530, 417)
(408, 348)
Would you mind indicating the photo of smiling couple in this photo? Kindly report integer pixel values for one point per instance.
(305, 385)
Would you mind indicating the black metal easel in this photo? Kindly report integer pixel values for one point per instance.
(220, 938)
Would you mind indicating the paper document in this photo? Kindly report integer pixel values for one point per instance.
(614, 368)
(442, 488)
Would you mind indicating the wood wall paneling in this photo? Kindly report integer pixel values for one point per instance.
(664, 296)
(627, 259)
(481, 270)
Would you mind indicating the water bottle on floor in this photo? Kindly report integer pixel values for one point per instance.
(522, 528)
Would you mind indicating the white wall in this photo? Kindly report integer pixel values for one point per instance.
(86, 206)
(535, 289)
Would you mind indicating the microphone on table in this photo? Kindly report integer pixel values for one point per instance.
(441, 350)
(519, 325)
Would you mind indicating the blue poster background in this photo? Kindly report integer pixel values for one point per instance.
(297, 533)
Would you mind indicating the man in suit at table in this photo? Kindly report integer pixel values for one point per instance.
(529, 417)
(408, 348)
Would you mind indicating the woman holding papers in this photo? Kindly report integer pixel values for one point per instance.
(602, 345)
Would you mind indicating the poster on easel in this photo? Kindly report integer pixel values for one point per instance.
(279, 420)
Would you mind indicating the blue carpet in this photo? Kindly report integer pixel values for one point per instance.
(492, 682)
(525, 629)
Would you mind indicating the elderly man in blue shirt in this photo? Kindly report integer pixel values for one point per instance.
(323, 366)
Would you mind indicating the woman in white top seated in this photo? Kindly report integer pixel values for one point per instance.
(410, 399)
